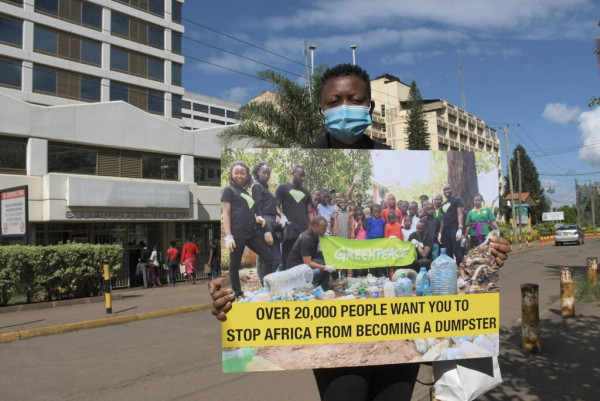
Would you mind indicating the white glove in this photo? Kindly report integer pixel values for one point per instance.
(415, 242)
(459, 234)
(229, 243)
(283, 220)
(463, 242)
(269, 238)
(392, 236)
(330, 268)
(440, 238)
(260, 220)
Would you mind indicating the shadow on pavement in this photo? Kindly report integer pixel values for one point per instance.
(566, 368)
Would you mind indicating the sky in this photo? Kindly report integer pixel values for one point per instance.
(528, 66)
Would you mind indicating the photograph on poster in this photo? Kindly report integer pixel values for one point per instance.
(396, 279)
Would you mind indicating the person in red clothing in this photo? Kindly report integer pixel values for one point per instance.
(172, 264)
(188, 256)
(391, 206)
(393, 229)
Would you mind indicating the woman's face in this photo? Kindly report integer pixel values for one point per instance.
(264, 174)
(477, 201)
(240, 176)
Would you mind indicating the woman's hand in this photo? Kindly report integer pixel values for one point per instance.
(222, 298)
(500, 248)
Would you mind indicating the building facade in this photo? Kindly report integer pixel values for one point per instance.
(202, 111)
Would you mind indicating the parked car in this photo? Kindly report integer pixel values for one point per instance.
(569, 234)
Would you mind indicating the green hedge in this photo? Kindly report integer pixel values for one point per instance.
(55, 272)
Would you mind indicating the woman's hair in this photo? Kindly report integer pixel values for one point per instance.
(248, 182)
(256, 169)
(476, 195)
(173, 243)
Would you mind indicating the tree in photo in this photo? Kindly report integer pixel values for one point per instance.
(417, 136)
(287, 117)
(462, 176)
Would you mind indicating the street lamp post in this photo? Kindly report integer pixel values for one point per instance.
(353, 47)
(312, 59)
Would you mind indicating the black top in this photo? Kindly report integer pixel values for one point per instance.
(433, 225)
(266, 205)
(145, 255)
(365, 142)
(294, 201)
(306, 245)
(242, 220)
(450, 215)
(426, 239)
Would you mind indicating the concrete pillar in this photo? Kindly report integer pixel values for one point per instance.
(530, 317)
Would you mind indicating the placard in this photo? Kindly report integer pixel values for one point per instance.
(347, 330)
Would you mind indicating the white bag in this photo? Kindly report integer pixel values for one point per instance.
(465, 379)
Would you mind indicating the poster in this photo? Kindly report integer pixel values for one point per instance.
(305, 330)
(13, 211)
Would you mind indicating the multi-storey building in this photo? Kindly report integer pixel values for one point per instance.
(449, 127)
(91, 122)
(200, 111)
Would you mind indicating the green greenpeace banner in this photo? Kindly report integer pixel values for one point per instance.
(364, 254)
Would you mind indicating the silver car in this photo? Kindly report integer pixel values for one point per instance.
(569, 234)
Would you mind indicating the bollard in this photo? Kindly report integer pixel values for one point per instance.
(530, 317)
(592, 265)
(567, 292)
(107, 295)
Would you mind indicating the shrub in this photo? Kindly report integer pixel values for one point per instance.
(55, 272)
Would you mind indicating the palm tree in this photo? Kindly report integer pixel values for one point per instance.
(287, 117)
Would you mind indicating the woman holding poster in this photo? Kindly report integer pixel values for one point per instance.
(242, 225)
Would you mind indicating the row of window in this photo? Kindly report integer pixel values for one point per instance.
(204, 108)
(66, 45)
(137, 30)
(77, 11)
(146, 99)
(78, 159)
(67, 84)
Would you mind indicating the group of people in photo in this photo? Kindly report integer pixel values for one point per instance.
(283, 228)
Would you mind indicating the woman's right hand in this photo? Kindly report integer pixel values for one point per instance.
(222, 298)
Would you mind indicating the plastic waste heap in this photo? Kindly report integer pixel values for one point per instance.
(444, 274)
(281, 283)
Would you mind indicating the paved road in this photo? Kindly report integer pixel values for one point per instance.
(178, 357)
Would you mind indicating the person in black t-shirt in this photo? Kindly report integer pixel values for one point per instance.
(294, 204)
(242, 226)
(423, 241)
(266, 207)
(306, 251)
(453, 217)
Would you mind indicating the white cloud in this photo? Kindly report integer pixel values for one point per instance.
(561, 113)
(238, 94)
(589, 126)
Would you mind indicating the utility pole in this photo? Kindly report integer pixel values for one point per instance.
(510, 181)
(308, 78)
(593, 194)
(577, 202)
(520, 190)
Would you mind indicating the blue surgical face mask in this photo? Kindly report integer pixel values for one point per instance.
(347, 123)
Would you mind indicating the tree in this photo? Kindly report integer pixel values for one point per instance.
(417, 136)
(570, 213)
(289, 118)
(530, 182)
(462, 177)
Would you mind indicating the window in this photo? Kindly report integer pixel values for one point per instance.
(176, 42)
(157, 7)
(232, 114)
(200, 118)
(13, 154)
(90, 89)
(45, 40)
(119, 25)
(91, 15)
(186, 104)
(47, 6)
(44, 80)
(18, 2)
(201, 107)
(156, 69)
(119, 59)
(207, 171)
(156, 103)
(10, 73)
(176, 74)
(119, 92)
(217, 111)
(176, 104)
(71, 159)
(220, 122)
(91, 51)
(11, 31)
(160, 167)
(156, 36)
(176, 11)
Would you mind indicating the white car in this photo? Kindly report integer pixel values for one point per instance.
(570, 233)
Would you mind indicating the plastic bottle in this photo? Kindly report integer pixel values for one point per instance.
(236, 360)
(423, 283)
(374, 291)
(389, 289)
(403, 286)
(281, 283)
(444, 279)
